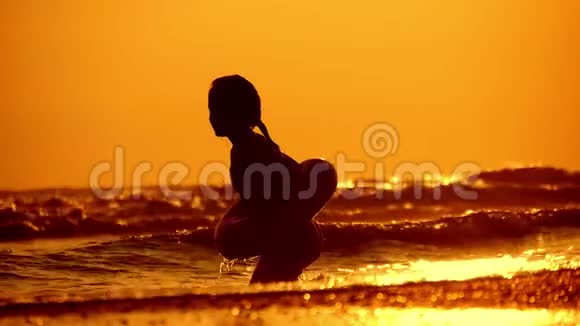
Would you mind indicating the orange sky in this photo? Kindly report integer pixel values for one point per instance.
(491, 82)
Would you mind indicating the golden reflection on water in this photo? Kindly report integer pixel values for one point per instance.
(401, 181)
(476, 316)
(457, 270)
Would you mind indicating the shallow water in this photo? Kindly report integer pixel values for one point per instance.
(108, 265)
(64, 245)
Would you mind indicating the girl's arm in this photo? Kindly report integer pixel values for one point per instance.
(270, 187)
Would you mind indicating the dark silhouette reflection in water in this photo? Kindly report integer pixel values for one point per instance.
(279, 197)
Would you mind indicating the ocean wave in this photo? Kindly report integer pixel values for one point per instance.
(461, 230)
(537, 175)
(558, 290)
(77, 212)
(465, 228)
(53, 227)
(457, 230)
(17, 276)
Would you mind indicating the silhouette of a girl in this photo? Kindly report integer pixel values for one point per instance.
(279, 197)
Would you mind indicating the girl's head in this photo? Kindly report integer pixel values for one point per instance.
(234, 107)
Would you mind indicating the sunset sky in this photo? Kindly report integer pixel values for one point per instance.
(492, 82)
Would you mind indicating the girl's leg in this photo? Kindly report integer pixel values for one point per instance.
(296, 243)
(274, 269)
(236, 236)
(317, 185)
(295, 250)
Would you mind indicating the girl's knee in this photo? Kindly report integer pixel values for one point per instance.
(319, 180)
(236, 242)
